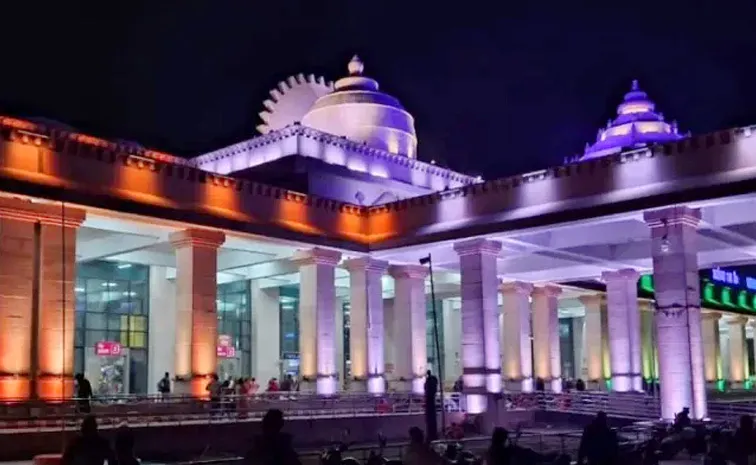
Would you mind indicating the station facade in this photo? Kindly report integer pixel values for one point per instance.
(304, 251)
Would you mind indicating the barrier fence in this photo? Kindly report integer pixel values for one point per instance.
(152, 410)
(177, 409)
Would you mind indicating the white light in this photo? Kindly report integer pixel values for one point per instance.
(109, 284)
(79, 289)
(123, 266)
(664, 246)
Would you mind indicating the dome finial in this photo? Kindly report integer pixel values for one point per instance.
(356, 66)
(635, 85)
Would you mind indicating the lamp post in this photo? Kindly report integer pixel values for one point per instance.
(427, 261)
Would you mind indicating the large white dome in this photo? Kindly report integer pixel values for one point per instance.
(358, 111)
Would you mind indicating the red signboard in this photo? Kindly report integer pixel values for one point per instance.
(108, 348)
(226, 351)
(226, 347)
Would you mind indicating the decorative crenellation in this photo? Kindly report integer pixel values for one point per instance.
(73, 144)
(595, 168)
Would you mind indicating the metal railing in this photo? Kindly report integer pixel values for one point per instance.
(151, 410)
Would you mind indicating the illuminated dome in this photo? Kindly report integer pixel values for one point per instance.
(637, 125)
(358, 111)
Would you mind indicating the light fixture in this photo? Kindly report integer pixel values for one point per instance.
(123, 266)
(664, 244)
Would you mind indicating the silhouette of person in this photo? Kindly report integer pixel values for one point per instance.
(88, 448)
(431, 389)
(272, 447)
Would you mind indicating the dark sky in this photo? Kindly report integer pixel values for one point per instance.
(495, 88)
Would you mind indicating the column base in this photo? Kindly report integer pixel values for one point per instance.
(712, 385)
(737, 385)
(554, 385)
(376, 384)
(327, 385)
(15, 388)
(357, 385)
(519, 385)
(55, 388)
(182, 386)
(594, 385)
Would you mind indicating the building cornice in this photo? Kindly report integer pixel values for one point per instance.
(70, 165)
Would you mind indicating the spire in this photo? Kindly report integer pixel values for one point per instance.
(635, 85)
(355, 66)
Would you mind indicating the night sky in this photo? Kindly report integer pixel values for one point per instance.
(496, 88)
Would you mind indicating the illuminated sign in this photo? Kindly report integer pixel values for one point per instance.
(733, 278)
(730, 295)
(108, 349)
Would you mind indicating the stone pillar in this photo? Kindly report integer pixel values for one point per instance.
(162, 353)
(710, 338)
(678, 313)
(196, 312)
(266, 333)
(481, 352)
(409, 322)
(317, 320)
(18, 249)
(366, 323)
(624, 329)
(547, 356)
(738, 354)
(593, 348)
(56, 312)
(518, 349)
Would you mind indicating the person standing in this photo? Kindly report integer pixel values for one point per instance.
(164, 386)
(83, 393)
(431, 389)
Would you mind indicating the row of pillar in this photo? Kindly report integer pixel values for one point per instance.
(37, 243)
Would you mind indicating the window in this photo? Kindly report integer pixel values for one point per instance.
(235, 321)
(112, 304)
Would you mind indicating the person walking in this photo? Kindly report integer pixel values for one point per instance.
(83, 393)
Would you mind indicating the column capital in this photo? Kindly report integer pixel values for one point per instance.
(591, 300)
(516, 287)
(317, 256)
(408, 271)
(711, 316)
(738, 320)
(206, 238)
(367, 264)
(50, 214)
(672, 216)
(477, 246)
(645, 305)
(626, 274)
(549, 290)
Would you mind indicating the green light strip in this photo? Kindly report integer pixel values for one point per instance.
(712, 295)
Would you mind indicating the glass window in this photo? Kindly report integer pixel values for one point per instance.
(112, 303)
(234, 320)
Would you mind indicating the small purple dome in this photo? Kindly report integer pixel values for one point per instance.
(637, 125)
